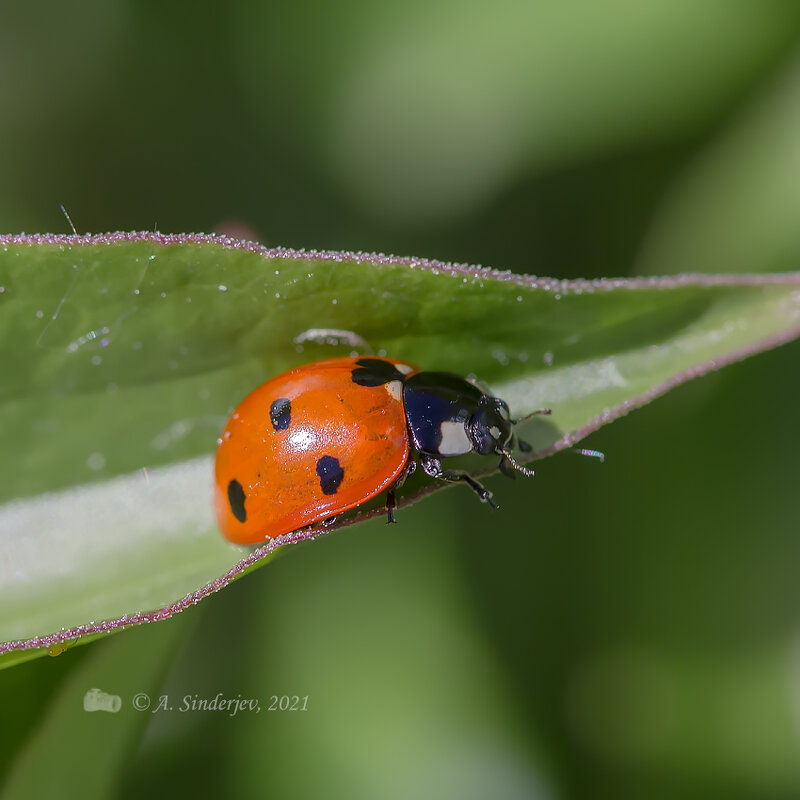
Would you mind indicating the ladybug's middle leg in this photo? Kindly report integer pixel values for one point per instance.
(433, 467)
(391, 500)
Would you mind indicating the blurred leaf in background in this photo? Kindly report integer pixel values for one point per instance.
(634, 630)
(736, 205)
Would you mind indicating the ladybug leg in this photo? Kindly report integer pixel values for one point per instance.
(409, 469)
(507, 469)
(391, 504)
(479, 489)
(433, 467)
(391, 500)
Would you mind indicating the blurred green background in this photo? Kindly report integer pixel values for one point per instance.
(621, 630)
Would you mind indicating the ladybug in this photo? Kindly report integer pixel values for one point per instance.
(326, 437)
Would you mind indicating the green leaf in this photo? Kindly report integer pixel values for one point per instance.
(125, 353)
(127, 674)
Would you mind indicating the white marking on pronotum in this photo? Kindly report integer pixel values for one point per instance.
(455, 441)
(404, 368)
(395, 389)
(331, 336)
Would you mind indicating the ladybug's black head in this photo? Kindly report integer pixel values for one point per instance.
(489, 429)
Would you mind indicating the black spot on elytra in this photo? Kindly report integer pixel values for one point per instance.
(280, 412)
(236, 500)
(330, 474)
(375, 372)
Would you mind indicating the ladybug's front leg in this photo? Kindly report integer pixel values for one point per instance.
(433, 466)
(391, 500)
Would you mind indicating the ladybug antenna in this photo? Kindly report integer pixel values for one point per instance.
(539, 411)
(517, 466)
(598, 454)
